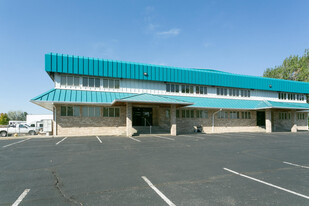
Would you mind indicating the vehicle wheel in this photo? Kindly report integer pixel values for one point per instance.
(32, 132)
(3, 134)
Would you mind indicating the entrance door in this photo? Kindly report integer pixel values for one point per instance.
(260, 118)
(139, 116)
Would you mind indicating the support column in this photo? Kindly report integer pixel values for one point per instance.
(129, 119)
(268, 121)
(173, 120)
(294, 124)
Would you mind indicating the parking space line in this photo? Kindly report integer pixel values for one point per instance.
(192, 136)
(21, 197)
(266, 183)
(134, 139)
(296, 165)
(164, 137)
(16, 142)
(170, 203)
(61, 140)
(99, 139)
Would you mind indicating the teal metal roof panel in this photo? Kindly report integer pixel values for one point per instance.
(286, 105)
(221, 103)
(150, 98)
(79, 96)
(118, 69)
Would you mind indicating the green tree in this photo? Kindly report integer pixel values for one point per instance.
(4, 119)
(293, 68)
(17, 115)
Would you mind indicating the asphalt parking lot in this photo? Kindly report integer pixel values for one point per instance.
(202, 169)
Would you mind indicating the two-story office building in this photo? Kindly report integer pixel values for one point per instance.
(105, 97)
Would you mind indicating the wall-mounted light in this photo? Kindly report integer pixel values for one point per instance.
(145, 74)
(270, 86)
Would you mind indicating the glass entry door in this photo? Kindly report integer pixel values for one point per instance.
(141, 114)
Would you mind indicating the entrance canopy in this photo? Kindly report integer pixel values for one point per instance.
(64, 96)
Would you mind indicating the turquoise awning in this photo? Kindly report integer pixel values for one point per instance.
(66, 96)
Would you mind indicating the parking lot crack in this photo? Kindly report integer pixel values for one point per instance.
(57, 185)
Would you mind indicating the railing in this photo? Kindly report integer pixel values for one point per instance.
(146, 121)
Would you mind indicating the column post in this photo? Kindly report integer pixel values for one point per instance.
(129, 119)
(173, 120)
(268, 121)
(294, 124)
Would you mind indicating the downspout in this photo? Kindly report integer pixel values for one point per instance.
(55, 122)
(213, 120)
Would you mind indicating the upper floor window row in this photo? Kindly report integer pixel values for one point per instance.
(89, 82)
(189, 89)
(69, 81)
(233, 92)
(291, 96)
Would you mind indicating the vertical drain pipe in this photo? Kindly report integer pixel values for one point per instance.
(213, 120)
(55, 121)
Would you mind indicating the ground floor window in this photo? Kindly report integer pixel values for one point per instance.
(201, 114)
(234, 115)
(91, 111)
(246, 115)
(177, 113)
(223, 115)
(111, 112)
(70, 111)
(187, 113)
(300, 116)
(284, 115)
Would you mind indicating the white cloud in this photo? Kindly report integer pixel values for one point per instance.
(169, 33)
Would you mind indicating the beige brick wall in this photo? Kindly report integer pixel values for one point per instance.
(286, 124)
(186, 125)
(91, 125)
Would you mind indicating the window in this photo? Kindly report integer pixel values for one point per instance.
(200, 90)
(223, 115)
(187, 113)
(91, 111)
(91, 82)
(300, 116)
(105, 83)
(183, 89)
(111, 83)
(97, 82)
(177, 113)
(222, 91)
(177, 88)
(201, 114)
(246, 115)
(111, 112)
(284, 115)
(234, 92)
(68, 110)
(167, 113)
(291, 96)
(168, 87)
(69, 81)
(234, 115)
(245, 93)
(76, 111)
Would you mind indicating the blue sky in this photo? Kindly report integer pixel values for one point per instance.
(242, 36)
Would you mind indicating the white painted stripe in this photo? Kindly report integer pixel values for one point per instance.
(61, 140)
(21, 197)
(170, 203)
(296, 165)
(197, 137)
(99, 139)
(16, 142)
(266, 183)
(164, 138)
(134, 139)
